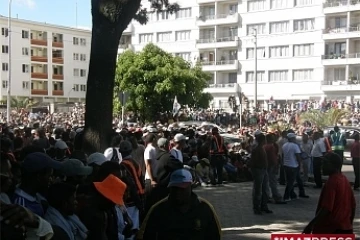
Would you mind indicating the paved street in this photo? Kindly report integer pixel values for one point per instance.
(233, 205)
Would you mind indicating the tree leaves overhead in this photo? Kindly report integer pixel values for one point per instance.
(154, 77)
(324, 119)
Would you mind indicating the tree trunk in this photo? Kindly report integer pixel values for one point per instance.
(110, 18)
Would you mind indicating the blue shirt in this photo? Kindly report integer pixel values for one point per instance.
(30, 202)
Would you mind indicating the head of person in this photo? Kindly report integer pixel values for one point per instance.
(284, 133)
(356, 137)
(215, 131)
(205, 162)
(180, 187)
(125, 149)
(270, 138)
(180, 141)
(163, 143)
(260, 139)
(336, 129)
(291, 137)
(95, 160)
(5, 173)
(37, 171)
(331, 164)
(316, 135)
(305, 138)
(62, 197)
(116, 140)
(61, 149)
(75, 171)
(150, 139)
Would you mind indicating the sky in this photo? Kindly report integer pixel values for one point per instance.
(60, 12)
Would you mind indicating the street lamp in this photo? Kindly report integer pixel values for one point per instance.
(255, 70)
(8, 103)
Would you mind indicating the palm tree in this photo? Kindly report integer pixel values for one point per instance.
(25, 103)
(324, 119)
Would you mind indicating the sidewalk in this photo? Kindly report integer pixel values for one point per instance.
(234, 208)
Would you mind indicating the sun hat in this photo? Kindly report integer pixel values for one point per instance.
(112, 188)
(180, 137)
(96, 158)
(35, 162)
(181, 178)
(74, 167)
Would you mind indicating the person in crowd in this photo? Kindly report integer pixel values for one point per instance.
(138, 153)
(355, 154)
(306, 147)
(292, 161)
(282, 140)
(37, 172)
(272, 155)
(183, 215)
(75, 172)
(258, 164)
(179, 146)
(150, 163)
(51, 150)
(318, 150)
(6, 178)
(40, 139)
(338, 142)
(218, 153)
(78, 153)
(6, 148)
(95, 161)
(203, 172)
(112, 153)
(61, 211)
(61, 150)
(336, 206)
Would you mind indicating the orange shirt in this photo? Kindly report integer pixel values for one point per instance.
(338, 198)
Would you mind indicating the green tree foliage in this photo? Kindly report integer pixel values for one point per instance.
(154, 77)
(323, 119)
(26, 103)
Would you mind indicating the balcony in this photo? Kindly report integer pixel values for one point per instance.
(39, 58)
(58, 60)
(39, 75)
(40, 42)
(39, 92)
(221, 42)
(58, 44)
(341, 6)
(336, 86)
(222, 65)
(341, 59)
(58, 92)
(341, 33)
(58, 76)
(220, 19)
(222, 88)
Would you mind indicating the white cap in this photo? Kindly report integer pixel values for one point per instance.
(109, 154)
(180, 137)
(60, 144)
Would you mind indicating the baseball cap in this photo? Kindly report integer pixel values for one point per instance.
(291, 135)
(35, 162)
(125, 146)
(181, 178)
(74, 167)
(110, 152)
(162, 142)
(60, 144)
(180, 137)
(97, 158)
(106, 189)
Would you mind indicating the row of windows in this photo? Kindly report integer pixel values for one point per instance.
(300, 50)
(79, 56)
(165, 36)
(25, 85)
(281, 75)
(299, 25)
(260, 5)
(79, 88)
(158, 16)
(79, 41)
(79, 72)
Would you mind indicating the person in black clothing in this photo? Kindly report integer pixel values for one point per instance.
(218, 153)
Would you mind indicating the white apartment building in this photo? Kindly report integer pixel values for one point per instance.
(49, 63)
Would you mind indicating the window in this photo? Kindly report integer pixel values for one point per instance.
(82, 73)
(276, 4)
(25, 34)
(184, 55)
(303, 50)
(260, 52)
(76, 56)
(75, 41)
(339, 74)
(25, 51)
(83, 88)
(340, 22)
(82, 41)
(5, 49)
(25, 85)
(145, 38)
(232, 77)
(4, 84)
(303, 2)
(233, 8)
(76, 72)
(82, 57)
(304, 25)
(58, 86)
(4, 32)
(25, 68)
(164, 37)
(163, 15)
(278, 76)
(260, 28)
(256, 5)
(5, 66)
(250, 76)
(279, 27)
(76, 87)
(183, 13)
(182, 35)
(302, 74)
(279, 51)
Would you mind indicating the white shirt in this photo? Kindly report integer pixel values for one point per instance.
(177, 154)
(290, 150)
(150, 154)
(319, 148)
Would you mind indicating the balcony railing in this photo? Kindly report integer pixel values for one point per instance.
(341, 56)
(341, 30)
(340, 3)
(39, 75)
(41, 42)
(58, 44)
(213, 40)
(58, 93)
(210, 40)
(59, 60)
(225, 62)
(207, 63)
(58, 76)
(351, 81)
(224, 85)
(39, 91)
(212, 17)
(39, 58)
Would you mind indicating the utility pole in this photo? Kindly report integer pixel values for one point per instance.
(76, 13)
(8, 103)
(255, 70)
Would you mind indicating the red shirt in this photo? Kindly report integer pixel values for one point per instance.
(272, 154)
(338, 198)
(355, 150)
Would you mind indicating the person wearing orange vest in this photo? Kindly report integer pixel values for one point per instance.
(218, 153)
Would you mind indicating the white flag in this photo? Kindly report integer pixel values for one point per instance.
(176, 106)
